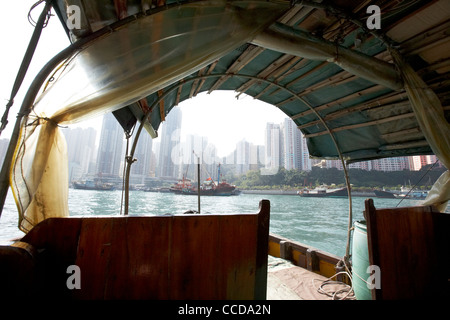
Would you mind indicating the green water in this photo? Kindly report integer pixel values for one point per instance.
(318, 222)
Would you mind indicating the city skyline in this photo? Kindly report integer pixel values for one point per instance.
(85, 158)
(284, 146)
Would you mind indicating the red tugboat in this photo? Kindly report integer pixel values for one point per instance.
(208, 188)
(181, 185)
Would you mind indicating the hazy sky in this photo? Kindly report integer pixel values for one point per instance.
(219, 116)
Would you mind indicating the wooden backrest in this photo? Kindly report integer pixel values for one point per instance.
(411, 247)
(160, 257)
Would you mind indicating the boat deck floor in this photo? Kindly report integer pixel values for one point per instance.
(285, 281)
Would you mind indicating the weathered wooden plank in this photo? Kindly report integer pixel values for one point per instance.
(411, 248)
(262, 248)
(193, 259)
(94, 257)
(238, 278)
(148, 257)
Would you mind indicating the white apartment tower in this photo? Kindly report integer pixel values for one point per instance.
(292, 145)
(273, 145)
(80, 151)
(170, 144)
(110, 153)
(143, 154)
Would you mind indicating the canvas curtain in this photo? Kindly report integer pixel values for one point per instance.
(430, 116)
(118, 69)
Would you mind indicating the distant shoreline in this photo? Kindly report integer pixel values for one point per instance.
(294, 193)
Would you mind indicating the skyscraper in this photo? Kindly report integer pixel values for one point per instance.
(80, 150)
(292, 145)
(110, 153)
(242, 157)
(306, 162)
(170, 144)
(143, 154)
(194, 146)
(273, 147)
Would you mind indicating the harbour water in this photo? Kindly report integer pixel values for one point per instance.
(318, 222)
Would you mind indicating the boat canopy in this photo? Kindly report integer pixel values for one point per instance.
(362, 80)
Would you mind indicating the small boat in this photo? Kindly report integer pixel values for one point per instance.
(323, 192)
(210, 188)
(413, 195)
(91, 185)
(384, 194)
(180, 186)
(159, 190)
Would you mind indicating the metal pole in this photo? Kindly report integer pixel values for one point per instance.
(198, 183)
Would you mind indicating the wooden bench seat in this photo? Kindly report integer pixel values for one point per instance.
(210, 256)
(411, 246)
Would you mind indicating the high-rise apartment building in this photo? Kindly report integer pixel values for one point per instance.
(169, 149)
(195, 147)
(80, 151)
(286, 146)
(417, 162)
(306, 162)
(292, 145)
(273, 144)
(110, 154)
(391, 164)
(141, 169)
(242, 157)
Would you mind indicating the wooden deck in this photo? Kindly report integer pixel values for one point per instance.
(286, 281)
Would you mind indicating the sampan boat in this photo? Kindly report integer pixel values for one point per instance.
(361, 79)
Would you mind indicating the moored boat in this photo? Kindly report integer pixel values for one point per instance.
(323, 192)
(412, 195)
(384, 194)
(180, 186)
(93, 185)
(210, 188)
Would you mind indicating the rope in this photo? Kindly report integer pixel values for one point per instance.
(37, 121)
(347, 291)
(423, 176)
(30, 19)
